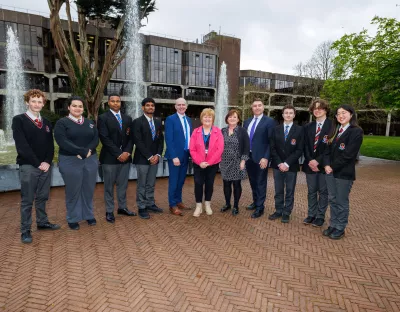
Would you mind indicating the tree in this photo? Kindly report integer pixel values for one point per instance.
(367, 68)
(88, 71)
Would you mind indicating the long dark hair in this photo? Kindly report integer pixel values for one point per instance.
(353, 120)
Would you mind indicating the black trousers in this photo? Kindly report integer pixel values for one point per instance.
(237, 192)
(204, 178)
(284, 202)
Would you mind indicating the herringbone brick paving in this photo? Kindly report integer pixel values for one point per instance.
(213, 263)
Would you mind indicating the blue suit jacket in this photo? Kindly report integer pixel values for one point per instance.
(175, 137)
(260, 144)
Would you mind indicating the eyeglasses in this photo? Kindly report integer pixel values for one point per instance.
(342, 113)
(117, 102)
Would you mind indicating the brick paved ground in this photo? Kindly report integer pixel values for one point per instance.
(217, 263)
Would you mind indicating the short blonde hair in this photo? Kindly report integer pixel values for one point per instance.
(208, 112)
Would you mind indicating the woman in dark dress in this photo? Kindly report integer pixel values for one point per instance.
(77, 138)
(236, 152)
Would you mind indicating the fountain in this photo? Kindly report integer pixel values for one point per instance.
(221, 107)
(134, 58)
(14, 87)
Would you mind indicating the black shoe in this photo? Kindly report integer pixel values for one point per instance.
(285, 218)
(318, 222)
(337, 234)
(144, 214)
(26, 237)
(154, 208)
(48, 226)
(308, 220)
(110, 217)
(328, 231)
(73, 226)
(274, 216)
(252, 206)
(258, 213)
(126, 212)
(225, 208)
(91, 222)
(235, 211)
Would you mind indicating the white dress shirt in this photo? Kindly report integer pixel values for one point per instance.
(321, 123)
(76, 119)
(33, 117)
(115, 113)
(284, 128)
(252, 122)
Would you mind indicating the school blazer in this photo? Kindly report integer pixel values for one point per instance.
(288, 151)
(309, 137)
(342, 153)
(114, 140)
(260, 143)
(145, 145)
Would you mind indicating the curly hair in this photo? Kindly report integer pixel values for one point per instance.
(32, 93)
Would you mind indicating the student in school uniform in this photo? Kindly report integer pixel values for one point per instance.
(286, 148)
(77, 138)
(316, 135)
(33, 136)
(115, 157)
(149, 140)
(340, 162)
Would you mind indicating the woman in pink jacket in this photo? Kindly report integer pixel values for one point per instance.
(206, 147)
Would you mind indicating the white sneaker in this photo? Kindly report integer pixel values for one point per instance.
(208, 208)
(198, 211)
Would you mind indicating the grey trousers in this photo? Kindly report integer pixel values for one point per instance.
(317, 205)
(115, 174)
(80, 180)
(35, 186)
(146, 181)
(284, 202)
(338, 197)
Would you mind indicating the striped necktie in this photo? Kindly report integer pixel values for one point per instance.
(317, 137)
(153, 130)
(119, 120)
(286, 132)
(339, 134)
(186, 133)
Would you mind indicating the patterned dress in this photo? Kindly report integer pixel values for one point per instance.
(231, 158)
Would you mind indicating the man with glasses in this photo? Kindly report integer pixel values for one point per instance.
(115, 156)
(316, 136)
(178, 128)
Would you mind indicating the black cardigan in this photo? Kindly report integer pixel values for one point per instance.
(244, 141)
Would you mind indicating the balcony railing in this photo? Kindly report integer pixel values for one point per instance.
(199, 98)
(158, 94)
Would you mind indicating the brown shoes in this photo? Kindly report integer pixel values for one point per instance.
(175, 211)
(181, 206)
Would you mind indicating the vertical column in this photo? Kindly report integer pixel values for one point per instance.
(51, 93)
(389, 118)
(310, 119)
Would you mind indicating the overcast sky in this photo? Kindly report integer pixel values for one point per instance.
(275, 35)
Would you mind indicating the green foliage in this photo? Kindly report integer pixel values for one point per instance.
(381, 147)
(112, 11)
(50, 116)
(367, 69)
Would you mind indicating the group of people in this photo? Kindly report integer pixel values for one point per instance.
(330, 151)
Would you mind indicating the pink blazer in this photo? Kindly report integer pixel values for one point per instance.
(198, 149)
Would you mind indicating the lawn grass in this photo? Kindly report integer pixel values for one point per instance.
(381, 147)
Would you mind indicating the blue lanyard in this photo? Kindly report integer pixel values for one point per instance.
(206, 137)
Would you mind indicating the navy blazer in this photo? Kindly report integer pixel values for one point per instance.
(175, 137)
(288, 151)
(114, 139)
(260, 143)
(342, 153)
(309, 137)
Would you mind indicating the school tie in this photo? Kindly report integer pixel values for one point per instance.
(317, 137)
(38, 123)
(252, 130)
(286, 132)
(79, 121)
(339, 134)
(119, 120)
(186, 133)
(153, 130)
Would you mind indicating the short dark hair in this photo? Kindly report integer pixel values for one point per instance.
(258, 100)
(74, 98)
(322, 105)
(231, 113)
(289, 106)
(147, 100)
(113, 94)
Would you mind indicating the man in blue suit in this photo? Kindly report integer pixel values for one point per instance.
(178, 128)
(259, 128)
